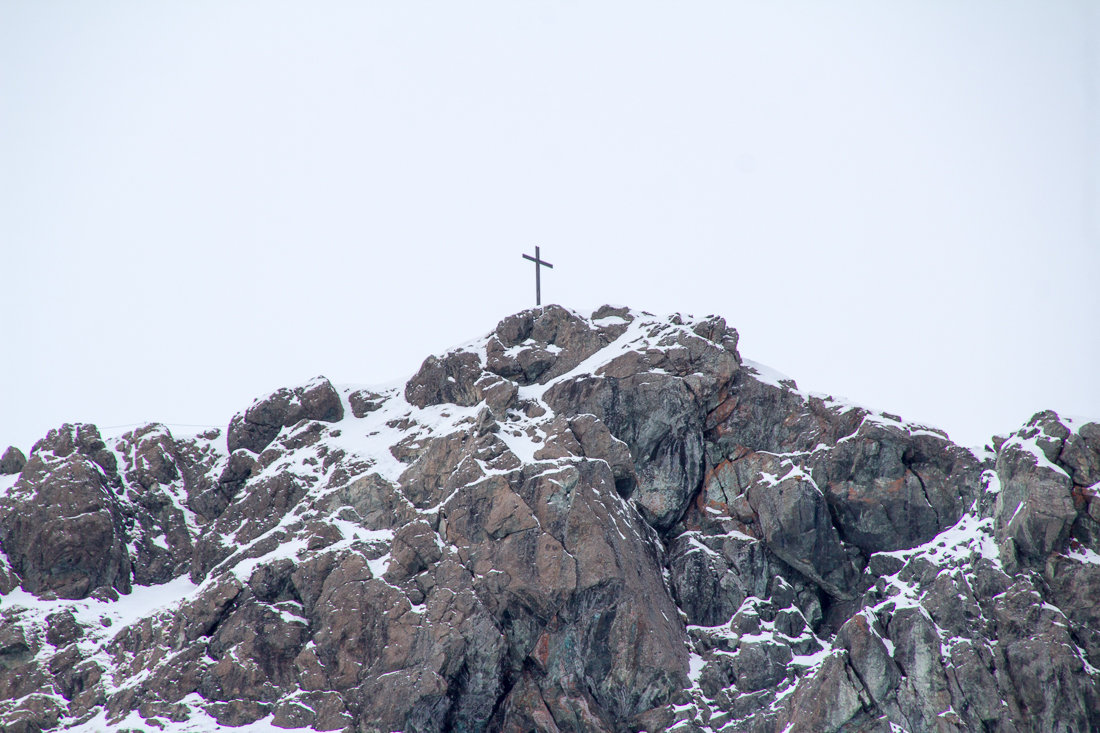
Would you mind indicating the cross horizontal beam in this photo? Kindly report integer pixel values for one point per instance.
(539, 263)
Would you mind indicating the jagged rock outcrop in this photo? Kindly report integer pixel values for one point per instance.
(257, 426)
(61, 525)
(12, 461)
(580, 522)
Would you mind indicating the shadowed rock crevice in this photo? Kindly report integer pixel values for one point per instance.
(909, 461)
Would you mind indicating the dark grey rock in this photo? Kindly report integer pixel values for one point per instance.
(891, 490)
(158, 476)
(12, 461)
(869, 657)
(1080, 455)
(658, 418)
(377, 502)
(760, 665)
(1035, 508)
(794, 519)
(1045, 673)
(364, 401)
(847, 703)
(712, 576)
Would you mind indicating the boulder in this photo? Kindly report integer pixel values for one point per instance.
(12, 461)
(450, 379)
(62, 628)
(256, 427)
(364, 401)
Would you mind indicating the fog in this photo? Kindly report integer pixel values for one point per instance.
(201, 202)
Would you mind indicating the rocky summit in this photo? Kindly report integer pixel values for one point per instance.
(599, 521)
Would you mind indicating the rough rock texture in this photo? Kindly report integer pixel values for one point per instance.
(596, 521)
(62, 525)
(257, 426)
(12, 461)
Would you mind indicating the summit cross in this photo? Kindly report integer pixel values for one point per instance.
(539, 262)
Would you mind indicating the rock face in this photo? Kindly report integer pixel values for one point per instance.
(61, 526)
(12, 461)
(255, 428)
(596, 521)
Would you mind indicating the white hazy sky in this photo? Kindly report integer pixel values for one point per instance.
(203, 201)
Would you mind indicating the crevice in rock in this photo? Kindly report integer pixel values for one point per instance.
(666, 536)
(834, 519)
(223, 614)
(625, 486)
(901, 668)
(500, 537)
(909, 461)
(507, 682)
(455, 687)
(927, 499)
(864, 692)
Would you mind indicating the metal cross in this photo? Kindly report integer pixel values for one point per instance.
(538, 280)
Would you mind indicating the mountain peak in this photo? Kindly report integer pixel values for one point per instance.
(598, 520)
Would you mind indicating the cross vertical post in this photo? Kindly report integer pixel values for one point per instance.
(539, 262)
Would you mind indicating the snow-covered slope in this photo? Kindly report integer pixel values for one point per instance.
(582, 521)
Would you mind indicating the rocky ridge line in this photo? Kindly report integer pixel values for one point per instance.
(579, 522)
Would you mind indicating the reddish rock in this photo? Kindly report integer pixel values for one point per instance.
(259, 424)
(62, 525)
(602, 523)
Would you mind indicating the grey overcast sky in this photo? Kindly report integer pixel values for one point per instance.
(200, 202)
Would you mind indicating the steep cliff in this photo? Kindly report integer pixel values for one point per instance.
(580, 522)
